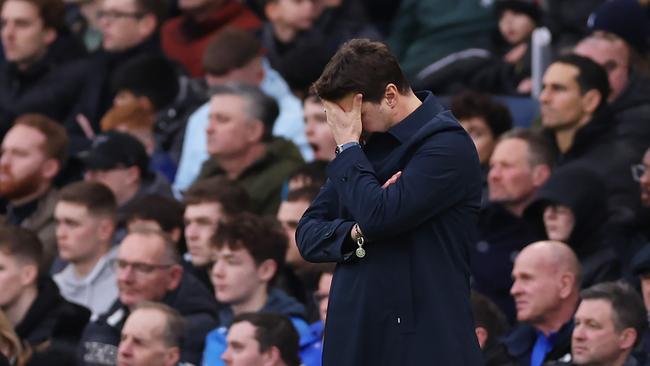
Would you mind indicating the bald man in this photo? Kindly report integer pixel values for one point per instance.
(546, 285)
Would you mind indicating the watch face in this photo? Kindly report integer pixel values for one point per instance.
(337, 150)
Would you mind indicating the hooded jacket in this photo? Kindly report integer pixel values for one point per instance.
(592, 238)
(278, 302)
(98, 346)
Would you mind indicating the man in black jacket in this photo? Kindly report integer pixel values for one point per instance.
(579, 124)
(38, 76)
(32, 303)
(148, 270)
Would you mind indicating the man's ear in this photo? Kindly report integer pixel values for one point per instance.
(481, 335)
(175, 276)
(628, 338)
(591, 100)
(51, 167)
(567, 284)
(391, 95)
(540, 173)
(50, 35)
(148, 24)
(28, 274)
(267, 269)
(256, 131)
(271, 10)
(134, 174)
(271, 357)
(106, 228)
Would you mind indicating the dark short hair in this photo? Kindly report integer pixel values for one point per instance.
(539, 149)
(22, 244)
(314, 172)
(487, 315)
(56, 137)
(360, 66)
(95, 197)
(628, 310)
(274, 330)
(173, 334)
(262, 237)
(471, 104)
(229, 50)
(151, 76)
(52, 12)
(165, 211)
(259, 105)
(229, 194)
(591, 75)
(306, 193)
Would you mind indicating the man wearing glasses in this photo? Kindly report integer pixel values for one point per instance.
(641, 174)
(129, 28)
(148, 269)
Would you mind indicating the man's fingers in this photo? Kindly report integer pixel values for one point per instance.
(356, 103)
(392, 180)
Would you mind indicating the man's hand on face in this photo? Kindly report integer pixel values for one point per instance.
(345, 125)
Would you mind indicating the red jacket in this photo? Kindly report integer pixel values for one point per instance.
(184, 39)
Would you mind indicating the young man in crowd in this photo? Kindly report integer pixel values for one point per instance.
(249, 252)
(262, 339)
(207, 203)
(41, 317)
(85, 222)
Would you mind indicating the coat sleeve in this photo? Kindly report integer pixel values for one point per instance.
(439, 175)
(321, 235)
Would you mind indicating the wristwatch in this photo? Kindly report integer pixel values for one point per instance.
(339, 148)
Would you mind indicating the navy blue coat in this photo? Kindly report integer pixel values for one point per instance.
(407, 301)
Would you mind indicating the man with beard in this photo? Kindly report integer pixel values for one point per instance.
(33, 152)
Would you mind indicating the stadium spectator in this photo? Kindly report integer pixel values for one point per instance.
(119, 161)
(490, 325)
(38, 75)
(546, 285)
(242, 147)
(520, 164)
(262, 339)
(129, 28)
(580, 126)
(319, 135)
(34, 151)
(581, 219)
(207, 203)
(153, 334)
(41, 317)
(85, 222)
(236, 56)
(185, 37)
(148, 269)
(250, 252)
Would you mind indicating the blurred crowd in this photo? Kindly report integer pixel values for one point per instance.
(157, 156)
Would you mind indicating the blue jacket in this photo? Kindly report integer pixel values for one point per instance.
(407, 301)
(278, 302)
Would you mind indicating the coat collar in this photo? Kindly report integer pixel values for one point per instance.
(410, 125)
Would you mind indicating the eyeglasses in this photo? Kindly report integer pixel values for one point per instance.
(116, 14)
(638, 170)
(139, 267)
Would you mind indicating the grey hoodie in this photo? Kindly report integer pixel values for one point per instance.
(97, 290)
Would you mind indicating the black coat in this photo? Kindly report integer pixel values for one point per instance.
(98, 346)
(51, 319)
(407, 301)
(97, 95)
(597, 146)
(501, 236)
(51, 86)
